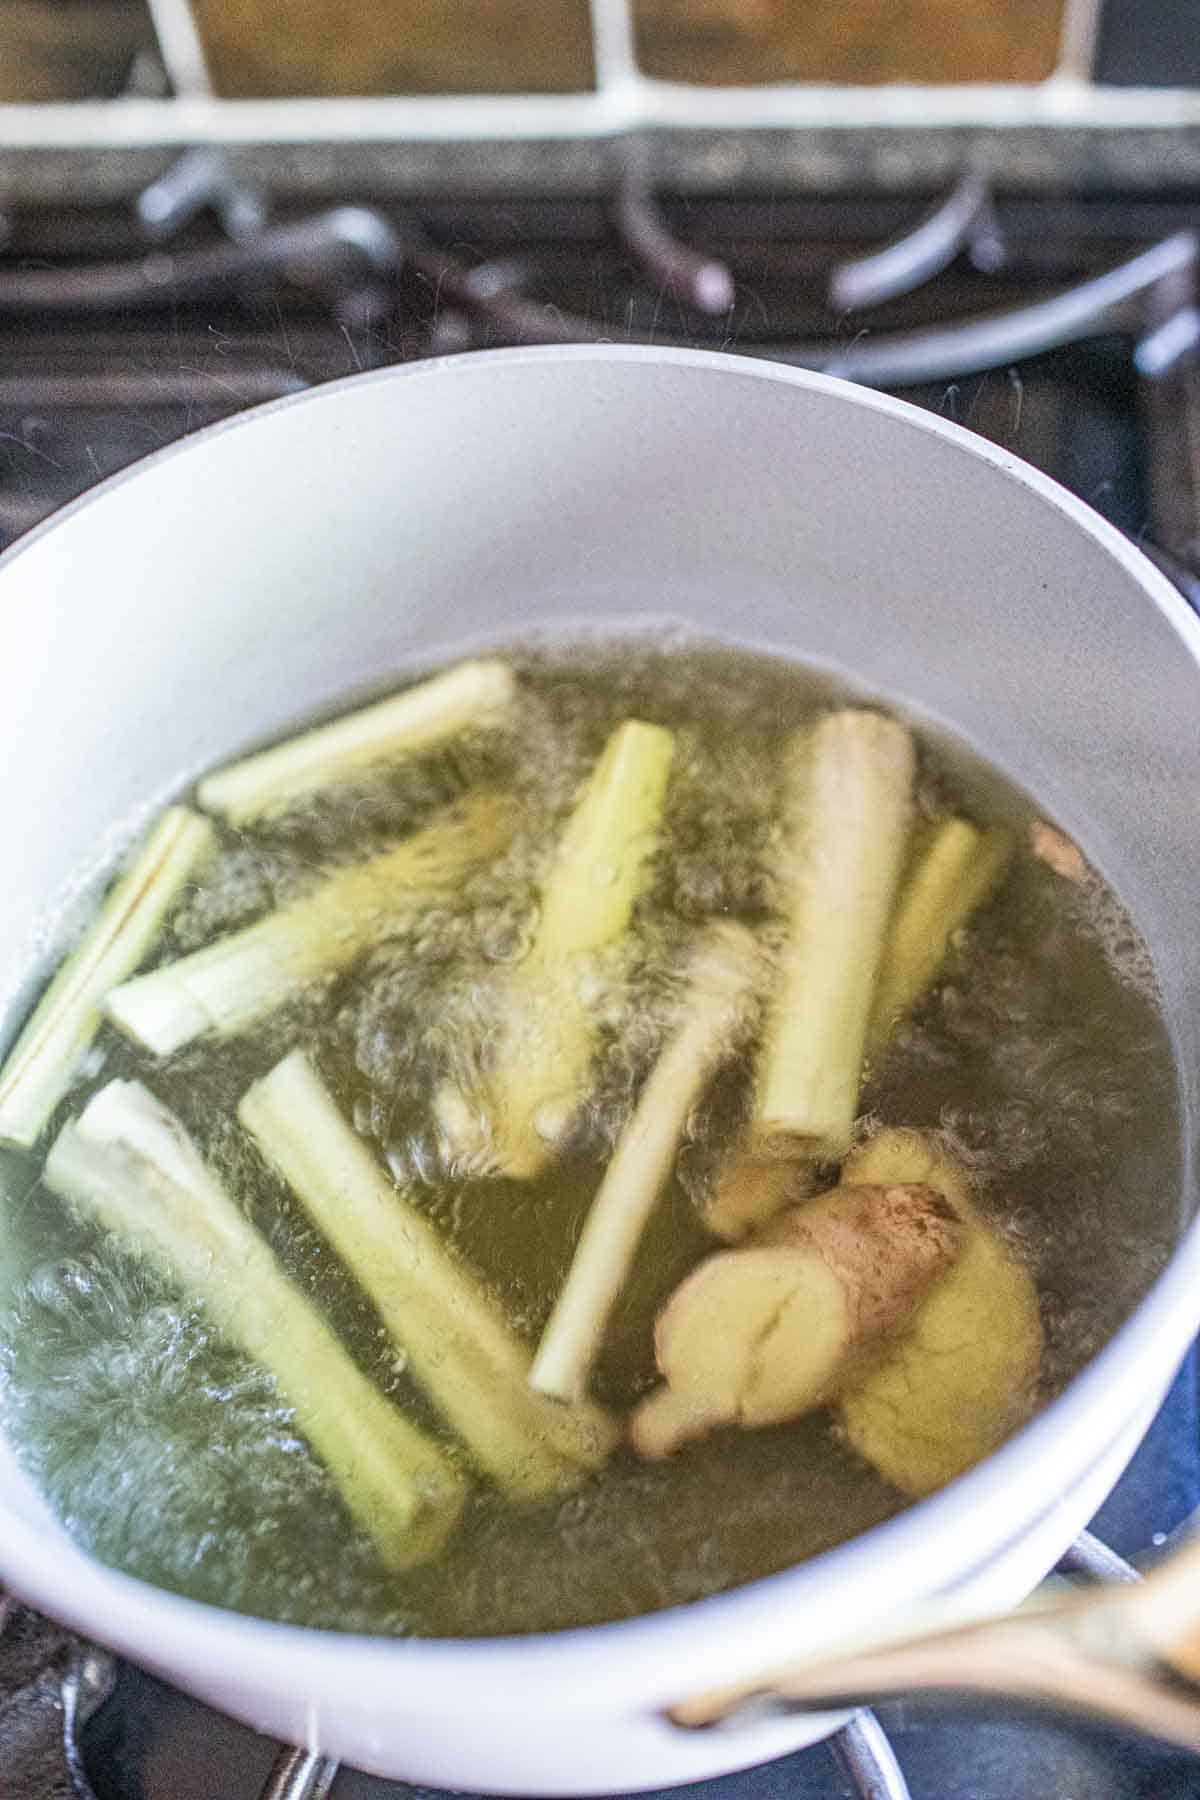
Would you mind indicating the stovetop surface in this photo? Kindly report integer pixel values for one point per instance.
(115, 340)
(112, 345)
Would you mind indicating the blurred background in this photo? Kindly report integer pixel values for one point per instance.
(76, 49)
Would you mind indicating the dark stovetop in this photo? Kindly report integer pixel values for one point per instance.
(111, 346)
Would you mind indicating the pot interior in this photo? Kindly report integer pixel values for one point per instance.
(279, 566)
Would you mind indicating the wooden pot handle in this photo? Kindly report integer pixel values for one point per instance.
(1126, 1653)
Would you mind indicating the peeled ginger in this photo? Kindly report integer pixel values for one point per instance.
(760, 1335)
(964, 1377)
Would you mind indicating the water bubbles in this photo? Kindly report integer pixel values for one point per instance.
(236, 888)
(395, 1155)
(416, 1159)
(62, 1285)
(592, 988)
(115, 1387)
(90, 1065)
(553, 1117)
(505, 933)
(382, 1111)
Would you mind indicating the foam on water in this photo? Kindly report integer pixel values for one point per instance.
(1040, 1055)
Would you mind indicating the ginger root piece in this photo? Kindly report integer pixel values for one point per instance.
(1057, 852)
(757, 1336)
(752, 1189)
(965, 1376)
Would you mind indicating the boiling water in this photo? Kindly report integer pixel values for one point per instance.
(1041, 1054)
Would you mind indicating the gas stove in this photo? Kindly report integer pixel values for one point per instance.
(1026, 265)
(1065, 327)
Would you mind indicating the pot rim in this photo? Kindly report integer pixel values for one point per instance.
(928, 1547)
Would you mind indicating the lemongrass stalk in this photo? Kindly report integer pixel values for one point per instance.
(474, 693)
(233, 983)
(716, 1012)
(63, 1024)
(850, 805)
(545, 1040)
(600, 867)
(458, 1345)
(959, 868)
(128, 1163)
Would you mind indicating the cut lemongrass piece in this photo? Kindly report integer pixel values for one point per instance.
(473, 694)
(459, 1348)
(959, 868)
(599, 870)
(717, 1009)
(233, 983)
(45, 1056)
(128, 1163)
(850, 809)
(545, 1037)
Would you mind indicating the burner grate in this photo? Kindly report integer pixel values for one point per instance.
(1007, 314)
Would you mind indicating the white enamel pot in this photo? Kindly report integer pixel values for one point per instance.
(307, 550)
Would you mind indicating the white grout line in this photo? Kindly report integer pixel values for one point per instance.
(181, 48)
(199, 119)
(635, 104)
(614, 53)
(1056, 102)
(1079, 40)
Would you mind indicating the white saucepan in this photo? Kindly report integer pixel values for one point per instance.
(235, 583)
